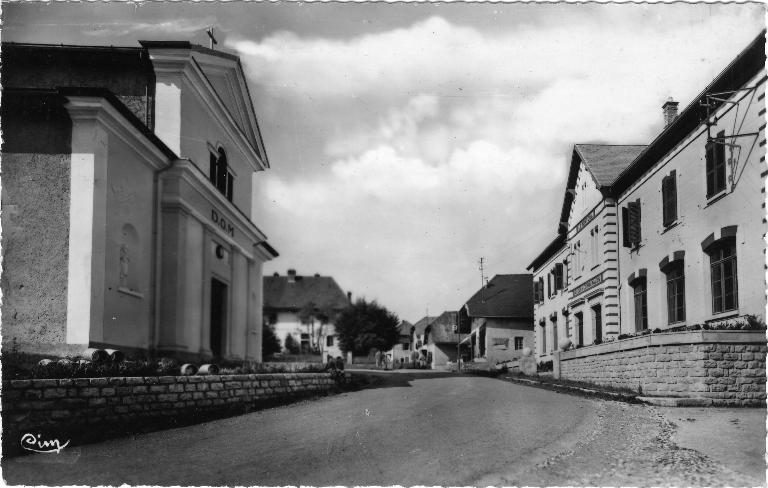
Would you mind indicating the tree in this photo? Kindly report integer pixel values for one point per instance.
(291, 344)
(270, 344)
(365, 326)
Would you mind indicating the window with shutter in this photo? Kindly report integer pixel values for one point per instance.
(633, 211)
(558, 276)
(716, 165)
(541, 289)
(536, 291)
(625, 227)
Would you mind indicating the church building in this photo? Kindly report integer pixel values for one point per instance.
(126, 202)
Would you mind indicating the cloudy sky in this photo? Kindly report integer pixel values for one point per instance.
(409, 140)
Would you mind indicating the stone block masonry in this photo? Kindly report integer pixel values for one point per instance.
(724, 368)
(69, 407)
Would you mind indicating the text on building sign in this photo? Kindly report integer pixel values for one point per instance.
(222, 223)
(583, 222)
(590, 283)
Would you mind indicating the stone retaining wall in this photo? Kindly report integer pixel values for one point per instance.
(66, 405)
(727, 368)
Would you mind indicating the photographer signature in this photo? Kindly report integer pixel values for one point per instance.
(30, 442)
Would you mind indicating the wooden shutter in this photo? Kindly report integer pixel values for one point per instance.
(720, 162)
(625, 227)
(672, 195)
(230, 186)
(665, 201)
(536, 291)
(558, 276)
(633, 209)
(541, 288)
(710, 168)
(716, 164)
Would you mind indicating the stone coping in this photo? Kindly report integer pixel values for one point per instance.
(118, 380)
(667, 339)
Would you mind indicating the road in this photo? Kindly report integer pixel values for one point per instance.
(409, 429)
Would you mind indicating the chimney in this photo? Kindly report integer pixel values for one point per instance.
(349, 296)
(276, 274)
(670, 111)
(291, 276)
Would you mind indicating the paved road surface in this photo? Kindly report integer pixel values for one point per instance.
(414, 429)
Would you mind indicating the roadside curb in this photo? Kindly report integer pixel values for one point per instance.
(576, 390)
(676, 401)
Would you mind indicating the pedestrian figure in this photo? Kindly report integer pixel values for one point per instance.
(377, 356)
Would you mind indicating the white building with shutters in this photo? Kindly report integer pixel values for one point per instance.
(693, 209)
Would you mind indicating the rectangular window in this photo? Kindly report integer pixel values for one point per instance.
(536, 292)
(669, 199)
(543, 325)
(675, 293)
(304, 343)
(553, 346)
(558, 276)
(329, 341)
(641, 304)
(595, 234)
(630, 223)
(716, 165)
(579, 329)
(722, 259)
(518, 343)
(541, 289)
(597, 317)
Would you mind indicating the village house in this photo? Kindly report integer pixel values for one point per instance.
(499, 319)
(400, 354)
(681, 229)
(304, 307)
(441, 340)
(693, 209)
(550, 299)
(576, 277)
(126, 201)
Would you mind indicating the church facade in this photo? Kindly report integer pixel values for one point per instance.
(126, 200)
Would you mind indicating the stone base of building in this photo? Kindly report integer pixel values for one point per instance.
(722, 368)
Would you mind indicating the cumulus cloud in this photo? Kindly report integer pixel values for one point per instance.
(441, 142)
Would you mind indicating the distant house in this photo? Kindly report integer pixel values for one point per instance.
(304, 307)
(499, 319)
(433, 339)
(401, 352)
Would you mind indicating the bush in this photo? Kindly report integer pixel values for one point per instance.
(270, 344)
(291, 344)
(544, 366)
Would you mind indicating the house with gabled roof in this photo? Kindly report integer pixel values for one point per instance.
(498, 319)
(400, 354)
(657, 259)
(304, 307)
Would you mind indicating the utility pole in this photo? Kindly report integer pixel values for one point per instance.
(482, 281)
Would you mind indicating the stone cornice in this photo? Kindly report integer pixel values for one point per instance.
(99, 109)
(182, 62)
(185, 170)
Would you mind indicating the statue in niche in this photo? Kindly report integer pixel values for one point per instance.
(125, 260)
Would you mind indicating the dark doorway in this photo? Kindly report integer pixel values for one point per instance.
(481, 341)
(579, 329)
(597, 312)
(218, 316)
